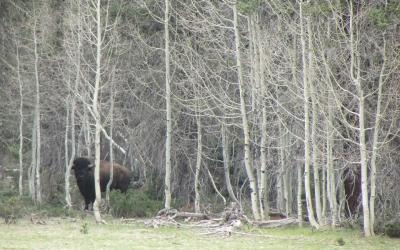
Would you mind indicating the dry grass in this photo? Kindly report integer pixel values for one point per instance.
(66, 233)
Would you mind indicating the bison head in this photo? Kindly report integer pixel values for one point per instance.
(82, 167)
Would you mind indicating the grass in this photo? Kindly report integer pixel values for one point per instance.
(67, 233)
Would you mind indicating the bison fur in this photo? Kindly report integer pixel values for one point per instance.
(84, 174)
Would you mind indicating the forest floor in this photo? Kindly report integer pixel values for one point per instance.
(68, 233)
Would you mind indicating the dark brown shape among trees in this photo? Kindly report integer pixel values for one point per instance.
(83, 169)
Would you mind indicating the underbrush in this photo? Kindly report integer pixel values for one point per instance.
(134, 203)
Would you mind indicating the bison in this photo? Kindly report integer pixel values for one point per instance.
(84, 174)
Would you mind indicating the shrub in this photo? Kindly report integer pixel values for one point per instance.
(84, 228)
(11, 209)
(392, 228)
(134, 203)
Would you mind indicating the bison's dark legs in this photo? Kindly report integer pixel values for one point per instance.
(88, 205)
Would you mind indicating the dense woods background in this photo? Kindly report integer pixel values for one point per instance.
(283, 105)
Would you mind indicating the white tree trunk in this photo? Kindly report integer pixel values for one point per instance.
(21, 123)
(331, 185)
(111, 144)
(198, 166)
(259, 68)
(314, 111)
(364, 171)
(87, 131)
(96, 205)
(38, 194)
(307, 139)
(32, 168)
(356, 78)
(168, 139)
(225, 155)
(286, 191)
(299, 193)
(73, 107)
(263, 180)
(324, 181)
(375, 142)
(66, 156)
(279, 181)
(246, 132)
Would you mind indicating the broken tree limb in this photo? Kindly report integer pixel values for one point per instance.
(275, 223)
(191, 215)
(215, 186)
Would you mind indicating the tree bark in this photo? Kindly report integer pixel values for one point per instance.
(198, 166)
(110, 181)
(21, 125)
(32, 168)
(37, 119)
(96, 205)
(73, 107)
(314, 119)
(246, 132)
(299, 193)
(66, 153)
(376, 140)
(306, 97)
(331, 185)
(168, 139)
(226, 159)
(356, 78)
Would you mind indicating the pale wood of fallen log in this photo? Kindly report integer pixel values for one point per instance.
(275, 223)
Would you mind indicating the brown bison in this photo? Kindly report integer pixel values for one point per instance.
(84, 174)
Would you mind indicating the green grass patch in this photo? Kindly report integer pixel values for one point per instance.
(68, 233)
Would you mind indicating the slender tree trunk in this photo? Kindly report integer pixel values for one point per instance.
(364, 173)
(168, 139)
(356, 78)
(263, 180)
(331, 185)
(262, 85)
(32, 168)
(246, 132)
(73, 144)
(283, 185)
(299, 194)
(21, 126)
(87, 132)
(37, 119)
(73, 107)
(330, 171)
(298, 166)
(111, 142)
(226, 158)
(281, 172)
(324, 181)
(307, 139)
(286, 190)
(314, 111)
(96, 205)
(375, 142)
(198, 166)
(66, 154)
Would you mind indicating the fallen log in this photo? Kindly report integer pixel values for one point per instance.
(191, 215)
(275, 223)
